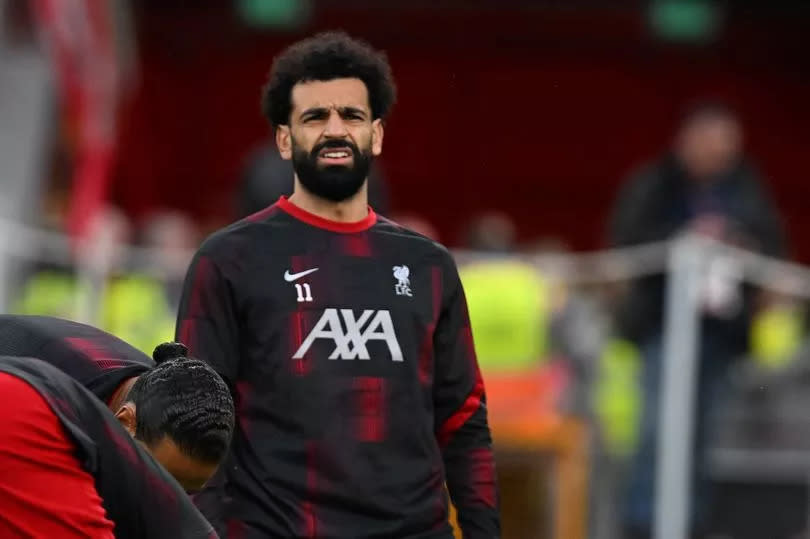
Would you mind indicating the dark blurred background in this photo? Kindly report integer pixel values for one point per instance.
(538, 108)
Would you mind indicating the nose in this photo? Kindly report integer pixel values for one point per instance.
(335, 127)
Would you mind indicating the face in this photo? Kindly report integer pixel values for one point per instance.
(331, 137)
(709, 147)
(192, 474)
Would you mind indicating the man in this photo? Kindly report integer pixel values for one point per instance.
(70, 469)
(178, 407)
(344, 336)
(705, 186)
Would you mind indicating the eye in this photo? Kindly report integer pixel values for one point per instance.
(314, 116)
(353, 115)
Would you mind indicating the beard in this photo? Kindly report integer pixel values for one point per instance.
(332, 182)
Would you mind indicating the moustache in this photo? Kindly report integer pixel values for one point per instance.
(318, 148)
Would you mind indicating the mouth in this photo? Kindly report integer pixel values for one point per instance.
(335, 156)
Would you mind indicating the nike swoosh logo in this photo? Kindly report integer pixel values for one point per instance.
(290, 277)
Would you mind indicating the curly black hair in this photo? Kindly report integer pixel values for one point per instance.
(323, 57)
(186, 400)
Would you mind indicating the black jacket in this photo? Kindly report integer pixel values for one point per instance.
(659, 202)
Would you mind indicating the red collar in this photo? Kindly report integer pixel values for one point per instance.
(327, 224)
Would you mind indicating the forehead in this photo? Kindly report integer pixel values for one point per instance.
(717, 130)
(712, 123)
(348, 92)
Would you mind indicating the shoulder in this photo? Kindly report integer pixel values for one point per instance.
(650, 174)
(654, 180)
(226, 239)
(749, 175)
(420, 247)
(43, 376)
(410, 238)
(67, 398)
(242, 236)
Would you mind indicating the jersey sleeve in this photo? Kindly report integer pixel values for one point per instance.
(461, 417)
(206, 321)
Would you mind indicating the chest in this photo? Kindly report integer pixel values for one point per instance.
(320, 306)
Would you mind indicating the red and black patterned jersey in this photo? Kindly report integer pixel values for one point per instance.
(99, 361)
(349, 352)
(138, 495)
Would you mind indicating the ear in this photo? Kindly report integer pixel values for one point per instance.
(284, 141)
(377, 132)
(127, 417)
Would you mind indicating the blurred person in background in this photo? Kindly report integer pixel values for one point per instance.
(491, 231)
(173, 236)
(704, 185)
(155, 283)
(139, 298)
(343, 433)
(267, 177)
(418, 224)
(58, 289)
(135, 300)
(513, 305)
(176, 406)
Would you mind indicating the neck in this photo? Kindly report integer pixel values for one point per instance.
(120, 395)
(350, 210)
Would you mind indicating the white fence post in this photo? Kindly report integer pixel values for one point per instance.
(678, 382)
